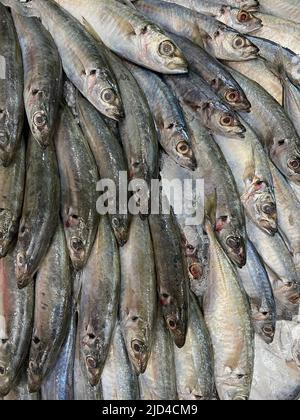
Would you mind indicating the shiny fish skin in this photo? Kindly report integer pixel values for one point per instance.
(192, 91)
(119, 380)
(12, 180)
(109, 158)
(99, 301)
(16, 314)
(138, 294)
(257, 285)
(79, 176)
(172, 281)
(42, 77)
(217, 39)
(231, 335)
(128, 33)
(52, 311)
(194, 362)
(291, 102)
(173, 136)
(40, 210)
(287, 9)
(157, 383)
(212, 71)
(11, 89)
(20, 392)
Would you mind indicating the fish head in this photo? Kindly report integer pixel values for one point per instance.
(231, 238)
(176, 135)
(286, 157)
(241, 20)
(120, 224)
(234, 384)
(252, 5)
(264, 321)
(76, 234)
(8, 230)
(39, 116)
(35, 366)
(92, 349)
(223, 121)
(235, 98)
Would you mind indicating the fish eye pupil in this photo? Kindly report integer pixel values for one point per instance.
(183, 148)
(2, 370)
(172, 323)
(243, 16)
(167, 48)
(239, 42)
(108, 96)
(226, 121)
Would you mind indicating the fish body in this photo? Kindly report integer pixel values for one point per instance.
(289, 9)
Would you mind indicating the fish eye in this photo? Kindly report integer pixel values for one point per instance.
(172, 324)
(2, 370)
(39, 119)
(226, 121)
(233, 242)
(269, 208)
(36, 340)
(167, 48)
(232, 96)
(91, 362)
(294, 163)
(183, 148)
(238, 42)
(108, 96)
(243, 16)
(77, 244)
(115, 222)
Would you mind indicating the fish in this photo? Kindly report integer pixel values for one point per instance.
(194, 92)
(171, 271)
(239, 19)
(169, 121)
(119, 380)
(40, 210)
(272, 125)
(109, 158)
(138, 294)
(78, 177)
(257, 285)
(128, 33)
(11, 89)
(216, 38)
(42, 77)
(291, 98)
(155, 384)
(289, 9)
(215, 74)
(250, 167)
(16, 320)
(194, 362)
(99, 301)
(232, 335)
(83, 59)
(21, 392)
(12, 181)
(52, 311)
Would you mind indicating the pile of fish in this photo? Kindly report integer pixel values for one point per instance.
(149, 306)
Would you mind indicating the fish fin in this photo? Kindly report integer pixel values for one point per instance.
(23, 8)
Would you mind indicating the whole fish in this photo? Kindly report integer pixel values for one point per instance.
(169, 121)
(83, 59)
(250, 167)
(119, 380)
(11, 88)
(42, 77)
(212, 71)
(231, 335)
(194, 362)
(79, 176)
(172, 281)
(259, 290)
(52, 311)
(259, 71)
(216, 38)
(157, 383)
(40, 210)
(138, 294)
(193, 92)
(12, 180)
(291, 102)
(128, 33)
(99, 301)
(109, 158)
(273, 127)
(289, 9)
(237, 18)
(21, 392)
(16, 316)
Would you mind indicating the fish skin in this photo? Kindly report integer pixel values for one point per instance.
(218, 179)
(119, 380)
(16, 315)
(138, 294)
(232, 336)
(79, 176)
(100, 290)
(42, 77)
(157, 383)
(219, 40)
(273, 127)
(291, 104)
(194, 92)
(20, 392)
(215, 74)
(12, 180)
(257, 285)
(250, 167)
(11, 89)
(289, 9)
(251, 5)
(128, 33)
(169, 121)
(194, 362)
(52, 311)
(171, 272)
(109, 158)
(237, 18)
(40, 210)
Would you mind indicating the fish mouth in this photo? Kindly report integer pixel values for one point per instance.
(250, 52)
(140, 355)
(240, 398)
(270, 227)
(179, 66)
(243, 106)
(294, 299)
(115, 114)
